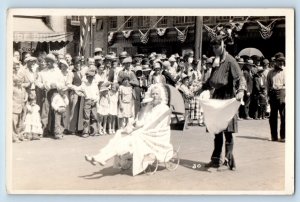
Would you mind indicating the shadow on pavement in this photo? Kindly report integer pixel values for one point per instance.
(194, 165)
(253, 138)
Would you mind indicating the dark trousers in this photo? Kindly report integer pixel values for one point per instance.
(218, 145)
(277, 105)
(90, 124)
(246, 106)
(48, 116)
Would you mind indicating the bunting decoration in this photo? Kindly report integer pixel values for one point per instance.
(144, 37)
(127, 33)
(110, 37)
(238, 25)
(266, 31)
(212, 32)
(161, 31)
(182, 34)
(84, 33)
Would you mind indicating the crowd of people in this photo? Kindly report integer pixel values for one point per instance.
(55, 94)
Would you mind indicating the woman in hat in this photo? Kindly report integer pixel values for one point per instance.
(228, 82)
(157, 77)
(150, 134)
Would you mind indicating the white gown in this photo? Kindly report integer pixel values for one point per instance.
(153, 137)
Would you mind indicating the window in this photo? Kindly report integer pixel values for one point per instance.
(113, 23)
(129, 23)
(75, 20)
(223, 18)
(182, 20)
(143, 21)
(163, 22)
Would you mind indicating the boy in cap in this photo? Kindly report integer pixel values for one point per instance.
(91, 96)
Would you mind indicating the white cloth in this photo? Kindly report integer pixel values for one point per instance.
(53, 77)
(113, 103)
(218, 113)
(103, 105)
(90, 90)
(59, 102)
(152, 138)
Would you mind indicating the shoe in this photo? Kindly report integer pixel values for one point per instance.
(113, 131)
(281, 140)
(248, 118)
(101, 132)
(212, 164)
(90, 159)
(85, 135)
(201, 124)
(96, 134)
(58, 137)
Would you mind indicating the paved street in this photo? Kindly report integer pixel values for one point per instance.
(59, 164)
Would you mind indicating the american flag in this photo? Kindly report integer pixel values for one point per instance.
(266, 31)
(144, 37)
(84, 33)
(182, 34)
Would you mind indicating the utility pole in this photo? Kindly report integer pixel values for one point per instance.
(198, 37)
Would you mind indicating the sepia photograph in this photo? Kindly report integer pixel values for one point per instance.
(150, 101)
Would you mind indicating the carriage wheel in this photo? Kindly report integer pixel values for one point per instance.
(150, 164)
(173, 163)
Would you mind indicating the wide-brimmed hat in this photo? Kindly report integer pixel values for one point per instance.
(123, 54)
(103, 88)
(50, 57)
(240, 61)
(250, 62)
(64, 62)
(172, 59)
(157, 65)
(30, 59)
(166, 64)
(265, 62)
(98, 50)
(279, 56)
(127, 60)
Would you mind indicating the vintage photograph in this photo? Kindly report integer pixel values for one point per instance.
(150, 101)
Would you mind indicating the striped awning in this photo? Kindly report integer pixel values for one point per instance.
(35, 30)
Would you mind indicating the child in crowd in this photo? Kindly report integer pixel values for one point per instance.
(103, 109)
(90, 90)
(33, 125)
(113, 107)
(125, 101)
(59, 104)
(19, 99)
(187, 95)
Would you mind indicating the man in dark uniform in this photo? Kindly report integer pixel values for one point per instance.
(228, 82)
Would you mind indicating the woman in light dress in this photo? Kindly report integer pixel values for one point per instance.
(148, 134)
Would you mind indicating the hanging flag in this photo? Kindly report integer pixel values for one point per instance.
(182, 34)
(110, 37)
(144, 37)
(266, 31)
(238, 26)
(84, 33)
(161, 31)
(127, 33)
(211, 32)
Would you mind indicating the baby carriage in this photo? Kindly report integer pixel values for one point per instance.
(171, 161)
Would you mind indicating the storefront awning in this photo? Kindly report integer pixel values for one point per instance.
(35, 30)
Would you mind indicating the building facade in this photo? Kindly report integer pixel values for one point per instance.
(168, 43)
